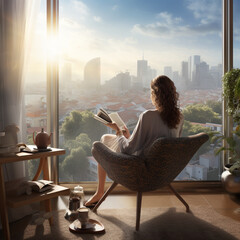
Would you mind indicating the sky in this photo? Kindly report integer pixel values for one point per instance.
(120, 32)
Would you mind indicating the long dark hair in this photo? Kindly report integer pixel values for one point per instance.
(165, 99)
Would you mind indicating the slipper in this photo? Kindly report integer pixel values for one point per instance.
(91, 206)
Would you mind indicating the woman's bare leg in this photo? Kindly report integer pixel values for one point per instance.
(100, 189)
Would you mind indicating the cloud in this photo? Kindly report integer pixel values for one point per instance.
(166, 17)
(80, 7)
(207, 15)
(97, 19)
(206, 11)
(163, 30)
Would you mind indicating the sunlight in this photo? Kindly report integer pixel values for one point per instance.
(53, 49)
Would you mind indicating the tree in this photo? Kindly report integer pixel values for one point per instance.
(82, 122)
(190, 129)
(82, 140)
(75, 164)
(78, 150)
(72, 125)
(215, 106)
(201, 114)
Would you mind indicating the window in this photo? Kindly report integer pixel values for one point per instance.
(110, 51)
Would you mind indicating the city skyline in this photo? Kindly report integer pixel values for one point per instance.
(194, 74)
(120, 31)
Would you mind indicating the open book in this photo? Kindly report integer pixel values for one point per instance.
(40, 185)
(113, 117)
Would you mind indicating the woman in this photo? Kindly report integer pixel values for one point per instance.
(165, 120)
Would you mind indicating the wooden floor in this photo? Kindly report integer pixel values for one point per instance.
(222, 203)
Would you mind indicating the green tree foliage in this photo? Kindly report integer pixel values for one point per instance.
(82, 122)
(201, 114)
(82, 140)
(77, 150)
(72, 125)
(191, 129)
(215, 106)
(75, 164)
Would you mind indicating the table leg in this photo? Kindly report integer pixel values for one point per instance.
(39, 170)
(48, 207)
(3, 206)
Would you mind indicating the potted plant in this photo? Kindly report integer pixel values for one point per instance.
(231, 91)
(231, 176)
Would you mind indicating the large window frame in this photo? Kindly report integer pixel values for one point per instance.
(53, 85)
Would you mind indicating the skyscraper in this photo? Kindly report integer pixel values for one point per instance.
(142, 72)
(184, 75)
(203, 79)
(168, 71)
(92, 77)
(193, 61)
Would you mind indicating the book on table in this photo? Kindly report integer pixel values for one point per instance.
(40, 185)
(106, 118)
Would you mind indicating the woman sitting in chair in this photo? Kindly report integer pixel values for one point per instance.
(165, 120)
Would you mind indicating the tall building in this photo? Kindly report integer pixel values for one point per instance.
(193, 61)
(92, 77)
(203, 79)
(184, 75)
(121, 82)
(175, 78)
(152, 73)
(168, 71)
(216, 73)
(142, 72)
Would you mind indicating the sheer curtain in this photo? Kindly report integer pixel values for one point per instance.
(16, 22)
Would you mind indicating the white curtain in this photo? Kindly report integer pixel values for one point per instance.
(17, 19)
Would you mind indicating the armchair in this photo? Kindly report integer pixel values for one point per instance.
(166, 158)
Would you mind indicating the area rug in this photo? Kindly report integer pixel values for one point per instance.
(156, 223)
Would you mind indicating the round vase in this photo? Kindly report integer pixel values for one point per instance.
(231, 182)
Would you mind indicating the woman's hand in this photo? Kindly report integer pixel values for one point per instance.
(126, 132)
(113, 126)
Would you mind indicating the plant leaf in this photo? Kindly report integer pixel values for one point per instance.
(218, 150)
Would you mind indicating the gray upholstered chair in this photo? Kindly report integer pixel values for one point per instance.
(166, 158)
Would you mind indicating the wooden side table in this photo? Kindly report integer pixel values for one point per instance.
(17, 201)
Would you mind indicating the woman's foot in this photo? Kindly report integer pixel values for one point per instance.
(91, 202)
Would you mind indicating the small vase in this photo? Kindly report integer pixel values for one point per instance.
(231, 182)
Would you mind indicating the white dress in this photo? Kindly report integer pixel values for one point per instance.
(150, 126)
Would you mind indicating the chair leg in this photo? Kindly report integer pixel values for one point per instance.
(138, 213)
(179, 197)
(114, 184)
